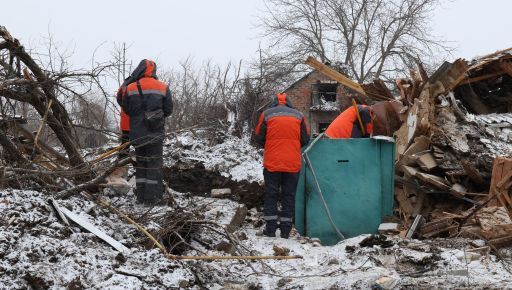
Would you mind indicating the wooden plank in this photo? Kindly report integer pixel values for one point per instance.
(505, 166)
(482, 77)
(458, 190)
(56, 206)
(409, 171)
(497, 172)
(337, 76)
(403, 92)
(422, 71)
(501, 242)
(435, 228)
(449, 75)
(427, 162)
(472, 172)
(403, 202)
(497, 52)
(383, 89)
(417, 223)
(95, 230)
(433, 180)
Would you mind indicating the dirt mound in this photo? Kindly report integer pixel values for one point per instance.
(197, 180)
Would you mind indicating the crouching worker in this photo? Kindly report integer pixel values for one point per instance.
(282, 131)
(147, 101)
(348, 125)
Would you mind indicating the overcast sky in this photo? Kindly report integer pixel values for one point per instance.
(223, 30)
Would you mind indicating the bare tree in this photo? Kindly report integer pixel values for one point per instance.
(371, 38)
(44, 87)
(200, 93)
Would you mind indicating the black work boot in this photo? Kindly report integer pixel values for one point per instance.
(285, 230)
(269, 233)
(138, 194)
(270, 229)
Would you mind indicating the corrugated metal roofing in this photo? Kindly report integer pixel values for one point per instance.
(499, 120)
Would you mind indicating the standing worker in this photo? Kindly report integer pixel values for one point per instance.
(282, 131)
(348, 123)
(147, 101)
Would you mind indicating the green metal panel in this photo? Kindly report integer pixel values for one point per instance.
(356, 179)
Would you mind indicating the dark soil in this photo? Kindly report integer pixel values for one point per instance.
(376, 240)
(199, 181)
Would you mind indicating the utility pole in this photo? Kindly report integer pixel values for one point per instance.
(124, 60)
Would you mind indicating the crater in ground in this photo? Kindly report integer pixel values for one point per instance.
(197, 180)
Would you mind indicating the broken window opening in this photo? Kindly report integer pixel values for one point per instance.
(322, 127)
(323, 93)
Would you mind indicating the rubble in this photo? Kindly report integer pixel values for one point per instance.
(218, 192)
(450, 148)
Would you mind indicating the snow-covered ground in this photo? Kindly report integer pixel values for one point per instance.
(38, 251)
(234, 158)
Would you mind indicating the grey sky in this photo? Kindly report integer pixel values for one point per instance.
(223, 30)
(476, 27)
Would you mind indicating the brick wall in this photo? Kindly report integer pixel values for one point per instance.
(300, 96)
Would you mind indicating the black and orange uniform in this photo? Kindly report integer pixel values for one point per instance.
(282, 131)
(147, 101)
(346, 125)
(124, 126)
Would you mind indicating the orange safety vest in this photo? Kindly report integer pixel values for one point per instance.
(343, 125)
(283, 130)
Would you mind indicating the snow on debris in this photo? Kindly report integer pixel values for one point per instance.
(38, 251)
(355, 263)
(233, 158)
(348, 265)
(326, 106)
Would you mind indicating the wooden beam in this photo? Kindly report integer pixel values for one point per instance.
(337, 76)
(506, 67)
(496, 53)
(482, 77)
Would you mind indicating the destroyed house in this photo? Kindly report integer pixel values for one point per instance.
(324, 92)
(319, 98)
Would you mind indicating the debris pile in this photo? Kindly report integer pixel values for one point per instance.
(449, 150)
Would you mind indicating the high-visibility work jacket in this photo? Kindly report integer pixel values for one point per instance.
(282, 131)
(156, 96)
(346, 125)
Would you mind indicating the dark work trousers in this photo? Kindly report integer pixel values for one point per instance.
(286, 184)
(125, 137)
(148, 172)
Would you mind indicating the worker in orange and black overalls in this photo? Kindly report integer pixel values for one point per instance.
(282, 131)
(347, 125)
(147, 101)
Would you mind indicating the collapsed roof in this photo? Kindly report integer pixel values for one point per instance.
(456, 123)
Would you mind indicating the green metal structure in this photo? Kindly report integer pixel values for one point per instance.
(355, 178)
